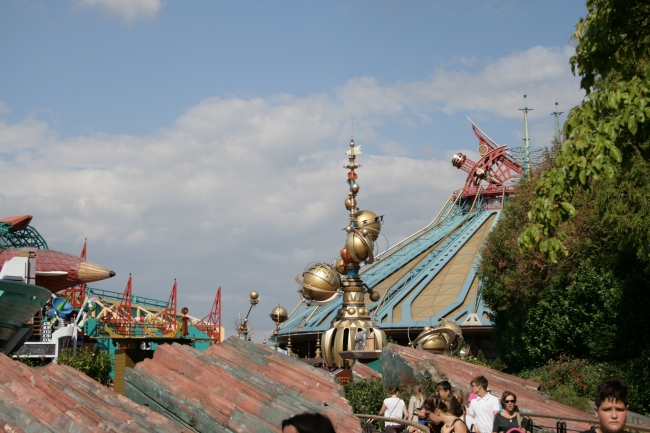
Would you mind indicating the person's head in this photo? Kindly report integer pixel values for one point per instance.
(479, 385)
(458, 395)
(308, 423)
(393, 390)
(436, 408)
(611, 405)
(443, 389)
(454, 406)
(508, 401)
(417, 391)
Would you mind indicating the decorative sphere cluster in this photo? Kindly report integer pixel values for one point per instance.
(321, 282)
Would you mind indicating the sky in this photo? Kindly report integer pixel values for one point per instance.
(204, 141)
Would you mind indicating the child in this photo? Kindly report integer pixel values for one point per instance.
(611, 406)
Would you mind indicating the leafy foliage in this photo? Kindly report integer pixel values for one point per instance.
(573, 381)
(96, 365)
(589, 304)
(608, 129)
(366, 395)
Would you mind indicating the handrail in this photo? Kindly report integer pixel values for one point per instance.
(422, 427)
(592, 421)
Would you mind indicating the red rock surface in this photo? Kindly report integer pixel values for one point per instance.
(58, 398)
(405, 361)
(236, 386)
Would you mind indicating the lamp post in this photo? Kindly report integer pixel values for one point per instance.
(253, 299)
(279, 316)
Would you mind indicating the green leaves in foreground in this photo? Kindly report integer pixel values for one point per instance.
(601, 132)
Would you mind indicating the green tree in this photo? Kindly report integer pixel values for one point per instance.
(608, 130)
(96, 365)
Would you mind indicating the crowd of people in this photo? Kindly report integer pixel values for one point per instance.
(446, 411)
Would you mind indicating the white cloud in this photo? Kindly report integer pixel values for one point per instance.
(540, 72)
(128, 10)
(243, 193)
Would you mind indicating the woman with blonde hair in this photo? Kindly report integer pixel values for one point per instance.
(415, 404)
(469, 420)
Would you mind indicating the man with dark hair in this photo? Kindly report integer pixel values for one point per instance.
(484, 407)
(443, 388)
(308, 423)
(611, 406)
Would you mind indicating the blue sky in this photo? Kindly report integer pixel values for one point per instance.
(203, 140)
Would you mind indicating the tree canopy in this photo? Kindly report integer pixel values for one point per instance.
(608, 129)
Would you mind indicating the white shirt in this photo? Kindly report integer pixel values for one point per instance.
(482, 409)
(394, 409)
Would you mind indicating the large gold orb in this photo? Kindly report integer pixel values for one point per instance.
(374, 296)
(368, 220)
(279, 314)
(435, 342)
(321, 282)
(359, 247)
(453, 341)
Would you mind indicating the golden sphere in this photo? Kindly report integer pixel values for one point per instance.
(324, 279)
(350, 203)
(254, 295)
(362, 311)
(357, 248)
(435, 342)
(374, 296)
(351, 310)
(279, 314)
(426, 328)
(450, 325)
(368, 220)
(354, 187)
(453, 341)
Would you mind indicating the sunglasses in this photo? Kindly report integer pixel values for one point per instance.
(511, 401)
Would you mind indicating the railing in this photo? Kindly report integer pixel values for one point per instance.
(560, 424)
(421, 427)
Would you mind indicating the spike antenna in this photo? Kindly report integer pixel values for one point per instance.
(557, 123)
(525, 146)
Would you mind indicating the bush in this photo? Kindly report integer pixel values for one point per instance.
(96, 365)
(365, 397)
(573, 381)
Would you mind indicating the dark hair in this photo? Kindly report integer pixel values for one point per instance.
(505, 395)
(393, 389)
(448, 405)
(611, 389)
(480, 381)
(310, 423)
(444, 385)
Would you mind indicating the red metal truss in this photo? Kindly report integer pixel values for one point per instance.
(210, 325)
(495, 173)
(168, 315)
(124, 309)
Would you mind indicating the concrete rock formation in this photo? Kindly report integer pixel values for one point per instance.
(235, 387)
(58, 398)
